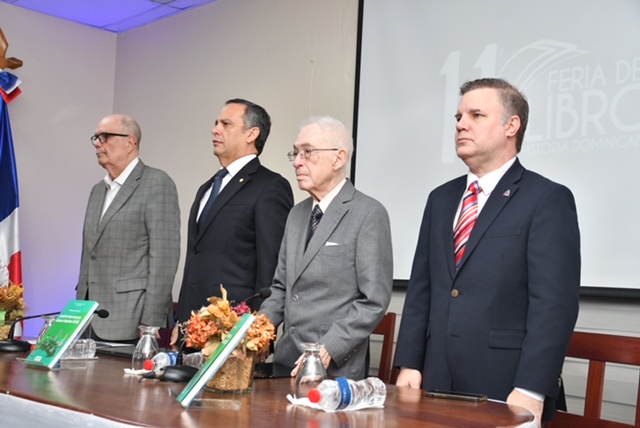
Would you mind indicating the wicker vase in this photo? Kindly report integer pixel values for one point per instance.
(4, 331)
(235, 375)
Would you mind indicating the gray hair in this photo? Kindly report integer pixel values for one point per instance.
(130, 126)
(335, 133)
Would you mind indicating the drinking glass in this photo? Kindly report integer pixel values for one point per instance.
(81, 349)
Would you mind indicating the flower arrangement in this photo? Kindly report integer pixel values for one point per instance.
(208, 327)
(211, 324)
(13, 306)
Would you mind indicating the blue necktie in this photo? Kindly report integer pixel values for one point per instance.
(217, 183)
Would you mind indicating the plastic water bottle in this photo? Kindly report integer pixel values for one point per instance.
(160, 360)
(344, 393)
(195, 359)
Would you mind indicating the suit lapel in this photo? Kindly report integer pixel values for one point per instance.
(192, 227)
(125, 192)
(236, 183)
(300, 224)
(499, 198)
(94, 212)
(330, 221)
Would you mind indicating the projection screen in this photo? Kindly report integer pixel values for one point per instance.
(578, 63)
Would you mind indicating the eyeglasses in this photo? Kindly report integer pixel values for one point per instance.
(306, 153)
(104, 136)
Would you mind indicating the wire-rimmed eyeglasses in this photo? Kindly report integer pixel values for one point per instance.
(104, 136)
(306, 153)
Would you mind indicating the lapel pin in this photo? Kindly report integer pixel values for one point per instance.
(241, 180)
(506, 193)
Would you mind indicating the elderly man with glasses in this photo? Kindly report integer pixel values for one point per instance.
(335, 271)
(131, 237)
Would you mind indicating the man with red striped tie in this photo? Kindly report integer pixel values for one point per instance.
(493, 294)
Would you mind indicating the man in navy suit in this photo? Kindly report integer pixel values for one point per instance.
(235, 241)
(498, 321)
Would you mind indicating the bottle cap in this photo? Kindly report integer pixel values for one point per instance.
(148, 365)
(315, 396)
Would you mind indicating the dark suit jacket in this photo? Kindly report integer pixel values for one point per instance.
(505, 318)
(130, 257)
(237, 245)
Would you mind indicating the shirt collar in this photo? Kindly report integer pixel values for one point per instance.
(119, 180)
(489, 181)
(324, 203)
(235, 166)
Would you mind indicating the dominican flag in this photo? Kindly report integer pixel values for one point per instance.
(10, 257)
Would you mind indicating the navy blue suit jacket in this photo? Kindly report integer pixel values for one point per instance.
(504, 319)
(237, 244)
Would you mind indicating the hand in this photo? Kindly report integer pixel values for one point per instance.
(296, 366)
(262, 356)
(324, 356)
(531, 404)
(174, 339)
(411, 378)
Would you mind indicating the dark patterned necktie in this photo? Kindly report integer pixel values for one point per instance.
(217, 184)
(467, 220)
(316, 216)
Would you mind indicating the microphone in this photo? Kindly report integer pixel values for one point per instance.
(102, 313)
(14, 345)
(263, 293)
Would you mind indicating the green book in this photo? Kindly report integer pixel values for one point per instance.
(213, 363)
(64, 330)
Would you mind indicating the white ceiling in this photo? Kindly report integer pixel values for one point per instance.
(111, 15)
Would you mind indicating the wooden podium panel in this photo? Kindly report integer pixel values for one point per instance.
(100, 387)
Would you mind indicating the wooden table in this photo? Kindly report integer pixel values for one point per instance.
(101, 388)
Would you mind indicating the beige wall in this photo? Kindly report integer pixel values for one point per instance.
(294, 57)
(68, 77)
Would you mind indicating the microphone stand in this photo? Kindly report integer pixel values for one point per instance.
(14, 345)
(262, 294)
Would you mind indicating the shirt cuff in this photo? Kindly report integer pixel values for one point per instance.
(534, 395)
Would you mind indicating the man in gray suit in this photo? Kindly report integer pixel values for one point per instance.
(332, 285)
(131, 236)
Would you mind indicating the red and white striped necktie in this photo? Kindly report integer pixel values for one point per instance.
(468, 216)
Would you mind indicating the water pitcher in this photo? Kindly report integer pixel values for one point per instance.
(311, 371)
(146, 348)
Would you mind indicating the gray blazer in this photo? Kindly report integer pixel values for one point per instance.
(337, 291)
(129, 259)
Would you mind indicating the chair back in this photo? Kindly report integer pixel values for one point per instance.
(599, 349)
(387, 329)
